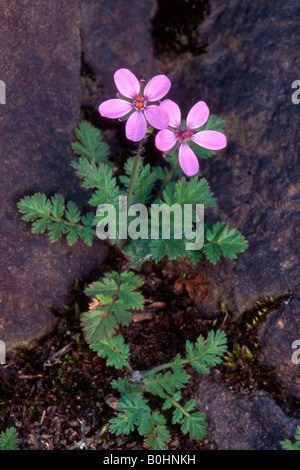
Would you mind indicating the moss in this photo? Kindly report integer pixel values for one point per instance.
(242, 358)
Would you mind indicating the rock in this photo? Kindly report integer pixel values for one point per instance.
(238, 423)
(246, 77)
(40, 65)
(276, 337)
(242, 62)
(114, 34)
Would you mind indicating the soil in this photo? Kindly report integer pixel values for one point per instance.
(57, 393)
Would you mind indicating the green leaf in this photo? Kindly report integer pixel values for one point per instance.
(214, 123)
(208, 352)
(89, 144)
(163, 173)
(125, 387)
(195, 425)
(133, 411)
(144, 181)
(72, 234)
(56, 230)
(98, 177)
(194, 191)
(41, 225)
(212, 252)
(173, 248)
(177, 416)
(177, 194)
(116, 295)
(219, 239)
(87, 232)
(34, 207)
(98, 324)
(156, 432)
(72, 212)
(168, 403)
(114, 348)
(9, 439)
(58, 206)
(159, 384)
(52, 215)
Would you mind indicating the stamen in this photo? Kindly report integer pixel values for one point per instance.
(138, 102)
(184, 135)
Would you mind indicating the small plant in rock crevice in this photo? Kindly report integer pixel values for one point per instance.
(116, 294)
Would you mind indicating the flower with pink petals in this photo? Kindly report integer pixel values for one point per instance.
(168, 140)
(138, 103)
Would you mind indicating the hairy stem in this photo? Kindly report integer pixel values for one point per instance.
(168, 365)
(177, 405)
(137, 156)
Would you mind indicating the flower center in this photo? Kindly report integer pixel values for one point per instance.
(139, 102)
(182, 136)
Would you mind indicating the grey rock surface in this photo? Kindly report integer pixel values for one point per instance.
(276, 338)
(40, 65)
(235, 422)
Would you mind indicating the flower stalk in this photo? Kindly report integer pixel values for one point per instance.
(137, 156)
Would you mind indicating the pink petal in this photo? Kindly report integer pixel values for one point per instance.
(157, 117)
(136, 127)
(165, 140)
(173, 112)
(114, 108)
(197, 116)
(212, 140)
(188, 160)
(127, 83)
(157, 88)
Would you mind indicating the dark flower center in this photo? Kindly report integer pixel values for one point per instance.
(139, 102)
(182, 136)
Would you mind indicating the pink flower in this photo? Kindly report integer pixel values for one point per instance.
(168, 140)
(137, 102)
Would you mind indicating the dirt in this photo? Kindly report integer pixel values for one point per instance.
(57, 393)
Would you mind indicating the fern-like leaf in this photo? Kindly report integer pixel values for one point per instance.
(132, 411)
(89, 143)
(220, 240)
(195, 425)
(115, 296)
(125, 387)
(53, 216)
(9, 439)
(206, 353)
(114, 348)
(158, 384)
(98, 177)
(156, 431)
(194, 191)
(143, 182)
